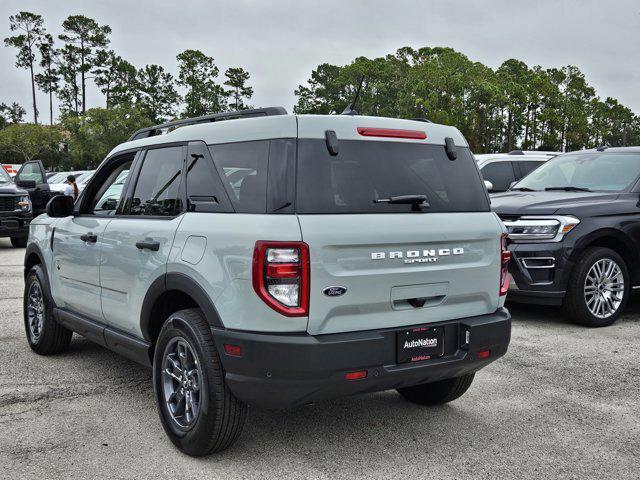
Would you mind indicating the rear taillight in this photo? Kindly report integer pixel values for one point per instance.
(281, 276)
(505, 256)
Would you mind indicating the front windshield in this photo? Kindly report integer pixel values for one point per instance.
(4, 176)
(606, 172)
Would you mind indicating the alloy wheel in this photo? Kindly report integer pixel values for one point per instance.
(181, 377)
(604, 288)
(35, 312)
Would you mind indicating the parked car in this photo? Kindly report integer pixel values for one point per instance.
(574, 228)
(503, 169)
(15, 211)
(259, 258)
(32, 178)
(83, 179)
(58, 183)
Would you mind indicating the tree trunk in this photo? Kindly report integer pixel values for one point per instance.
(33, 95)
(84, 98)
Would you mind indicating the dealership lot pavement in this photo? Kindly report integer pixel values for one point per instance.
(563, 403)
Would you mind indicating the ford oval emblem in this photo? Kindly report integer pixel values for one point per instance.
(334, 291)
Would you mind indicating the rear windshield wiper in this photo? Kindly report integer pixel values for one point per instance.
(568, 189)
(417, 202)
(522, 189)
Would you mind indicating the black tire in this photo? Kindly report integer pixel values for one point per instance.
(575, 305)
(19, 242)
(47, 337)
(221, 416)
(437, 393)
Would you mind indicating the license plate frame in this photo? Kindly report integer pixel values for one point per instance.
(419, 344)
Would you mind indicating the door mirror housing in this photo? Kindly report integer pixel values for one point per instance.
(488, 185)
(60, 206)
(512, 184)
(29, 184)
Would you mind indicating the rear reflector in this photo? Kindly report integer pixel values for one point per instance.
(359, 375)
(392, 133)
(233, 350)
(482, 354)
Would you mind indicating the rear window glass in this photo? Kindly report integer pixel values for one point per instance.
(243, 170)
(365, 171)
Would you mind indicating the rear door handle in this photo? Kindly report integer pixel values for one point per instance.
(89, 237)
(148, 244)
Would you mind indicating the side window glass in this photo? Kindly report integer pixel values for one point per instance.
(500, 174)
(31, 171)
(281, 180)
(528, 167)
(205, 192)
(157, 190)
(109, 195)
(243, 169)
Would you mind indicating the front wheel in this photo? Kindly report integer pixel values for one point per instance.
(198, 411)
(598, 289)
(438, 393)
(44, 334)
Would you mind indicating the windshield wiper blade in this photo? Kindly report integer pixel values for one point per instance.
(417, 202)
(522, 189)
(568, 189)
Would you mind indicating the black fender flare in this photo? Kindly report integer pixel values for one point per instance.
(34, 249)
(182, 283)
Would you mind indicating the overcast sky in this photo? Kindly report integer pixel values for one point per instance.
(280, 41)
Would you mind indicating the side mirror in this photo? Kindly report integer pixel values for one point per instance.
(60, 206)
(488, 185)
(26, 183)
(512, 184)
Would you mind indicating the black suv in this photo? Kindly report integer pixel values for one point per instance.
(574, 230)
(15, 211)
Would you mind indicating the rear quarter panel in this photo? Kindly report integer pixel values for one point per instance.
(216, 250)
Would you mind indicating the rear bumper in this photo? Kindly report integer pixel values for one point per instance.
(286, 370)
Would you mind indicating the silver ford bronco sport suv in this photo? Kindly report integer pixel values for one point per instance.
(259, 258)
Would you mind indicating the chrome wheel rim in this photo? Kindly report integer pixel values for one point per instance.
(181, 376)
(604, 288)
(35, 312)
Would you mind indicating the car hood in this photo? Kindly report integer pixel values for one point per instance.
(549, 203)
(11, 189)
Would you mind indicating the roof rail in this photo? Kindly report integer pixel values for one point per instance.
(164, 128)
(426, 120)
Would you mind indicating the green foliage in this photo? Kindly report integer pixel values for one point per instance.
(156, 93)
(237, 79)
(197, 72)
(84, 35)
(48, 80)
(93, 135)
(116, 78)
(512, 107)
(68, 67)
(13, 113)
(31, 27)
(30, 140)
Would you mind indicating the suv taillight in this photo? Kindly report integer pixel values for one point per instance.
(505, 256)
(281, 276)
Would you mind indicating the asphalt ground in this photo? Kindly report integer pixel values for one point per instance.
(563, 403)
